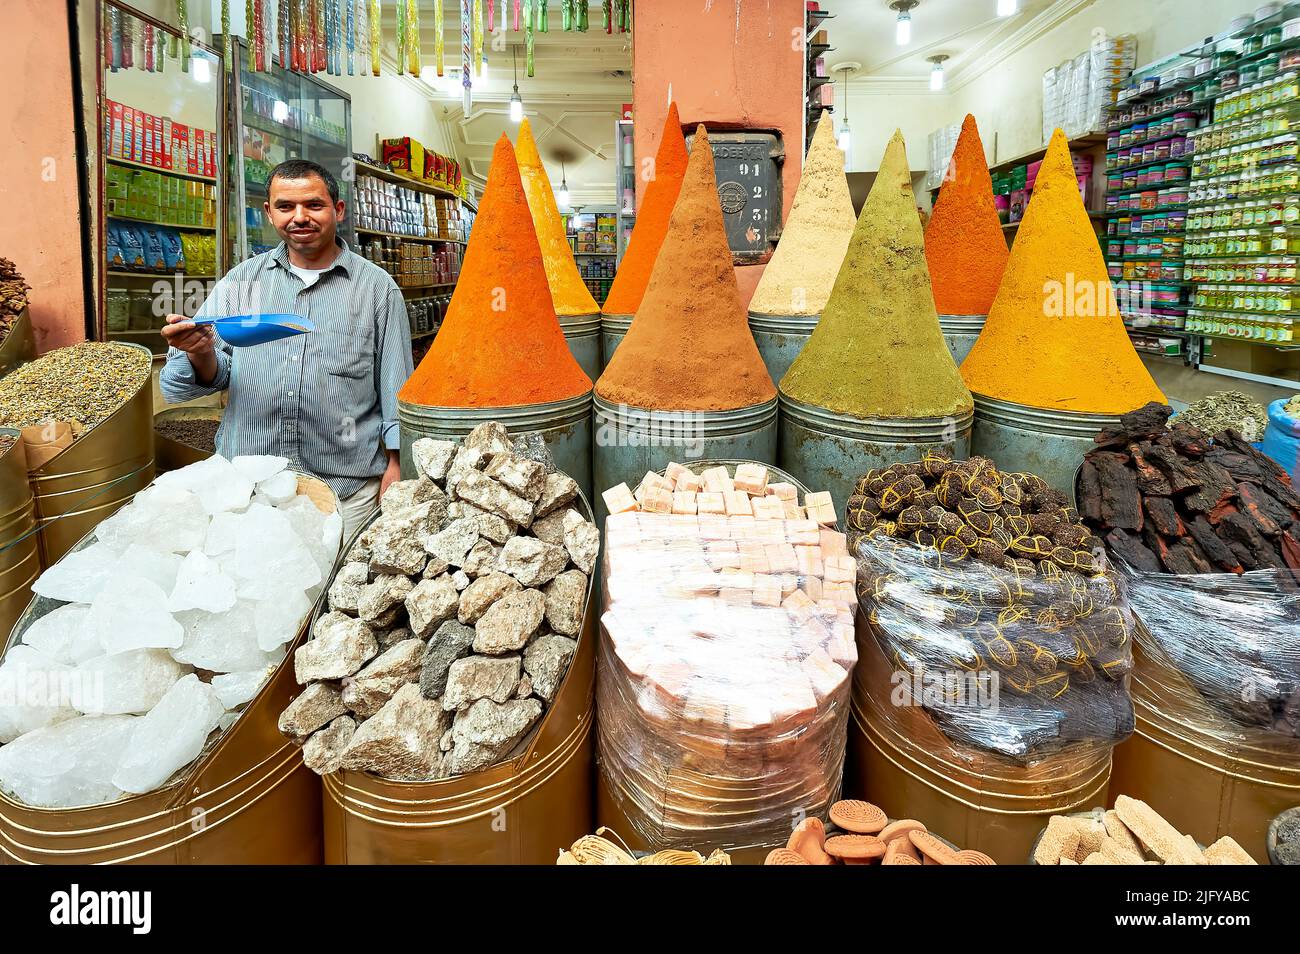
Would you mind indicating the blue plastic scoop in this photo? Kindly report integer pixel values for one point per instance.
(244, 331)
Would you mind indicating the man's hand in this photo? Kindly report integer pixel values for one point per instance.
(197, 341)
(391, 473)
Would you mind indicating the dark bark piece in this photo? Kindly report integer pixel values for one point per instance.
(1215, 549)
(1149, 479)
(1163, 515)
(1121, 505)
(1216, 515)
(1156, 544)
(1188, 441)
(1090, 493)
(1290, 552)
(1146, 421)
(1129, 548)
(1197, 556)
(1215, 486)
(1269, 515)
(1178, 559)
(1243, 554)
(1177, 471)
(1240, 528)
(1239, 465)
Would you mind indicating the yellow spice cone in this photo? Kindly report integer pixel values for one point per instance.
(1054, 337)
(798, 279)
(877, 351)
(568, 290)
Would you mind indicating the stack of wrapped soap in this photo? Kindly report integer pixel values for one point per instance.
(725, 660)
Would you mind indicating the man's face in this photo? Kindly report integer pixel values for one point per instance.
(303, 213)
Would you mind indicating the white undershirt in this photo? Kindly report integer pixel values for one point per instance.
(309, 276)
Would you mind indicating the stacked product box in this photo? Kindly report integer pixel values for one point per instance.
(137, 136)
(1076, 93)
(387, 207)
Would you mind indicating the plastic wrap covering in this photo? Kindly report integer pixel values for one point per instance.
(722, 693)
(1018, 664)
(1233, 641)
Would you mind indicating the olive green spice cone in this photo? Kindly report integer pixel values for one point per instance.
(878, 351)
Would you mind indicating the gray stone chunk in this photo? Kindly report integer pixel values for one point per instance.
(397, 545)
(381, 601)
(524, 477)
(345, 591)
(531, 561)
(452, 641)
(460, 579)
(486, 732)
(481, 677)
(433, 457)
(566, 595)
(551, 527)
(490, 437)
(367, 691)
(430, 604)
(435, 568)
(315, 706)
(546, 660)
(557, 490)
(494, 497)
(509, 623)
(525, 687)
(582, 540)
(453, 542)
(490, 526)
(338, 649)
(445, 742)
(467, 461)
(403, 494)
(400, 741)
(323, 752)
(482, 593)
(482, 559)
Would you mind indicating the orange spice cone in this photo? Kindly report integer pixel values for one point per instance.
(568, 290)
(799, 278)
(1054, 337)
(689, 346)
(500, 344)
(964, 244)
(651, 220)
(877, 351)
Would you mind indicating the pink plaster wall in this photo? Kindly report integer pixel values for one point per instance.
(736, 63)
(39, 216)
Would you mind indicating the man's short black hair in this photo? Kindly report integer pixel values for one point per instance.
(302, 169)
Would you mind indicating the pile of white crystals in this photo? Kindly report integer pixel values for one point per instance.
(171, 620)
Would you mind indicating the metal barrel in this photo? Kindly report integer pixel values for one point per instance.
(247, 799)
(20, 556)
(613, 328)
(173, 455)
(780, 338)
(1034, 440)
(631, 440)
(1206, 775)
(898, 759)
(97, 474)
(830, 451)
(960, 332)
(19, 346)
(520, 811)
(582, 332)
(564, 426)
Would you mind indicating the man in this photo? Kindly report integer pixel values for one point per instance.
(327, 400)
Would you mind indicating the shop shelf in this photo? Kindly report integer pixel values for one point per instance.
(409, 238)
(1180, 161)
(388, 175)
(132, 164)
(170, 225)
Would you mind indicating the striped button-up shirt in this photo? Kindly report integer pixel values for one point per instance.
(327, 400)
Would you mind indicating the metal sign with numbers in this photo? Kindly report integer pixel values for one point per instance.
(747, 167)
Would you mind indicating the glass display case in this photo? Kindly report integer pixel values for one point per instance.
(282, 115)
(161, 230)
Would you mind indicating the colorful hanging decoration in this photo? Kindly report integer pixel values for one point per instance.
(283, 27)
(413, 36)
(607, 11)
(529, 10)
(491, 15)
(466, 49)
(350, 35)
(319, 62)
(566, 15)
(542, 22)
(478, 37)
(182, 18)
(439, 45)
(582, 16)
(259, 34)
(516, 11)
(376, 22)
(127, 43)
(401, 37)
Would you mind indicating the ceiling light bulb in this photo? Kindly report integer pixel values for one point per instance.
(516, 106)
(936, 77)
(844, 139)
(562, 196)
(903, 30)
(1006, 8)
(202, 70)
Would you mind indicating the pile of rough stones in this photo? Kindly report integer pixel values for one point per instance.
(453, 619)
